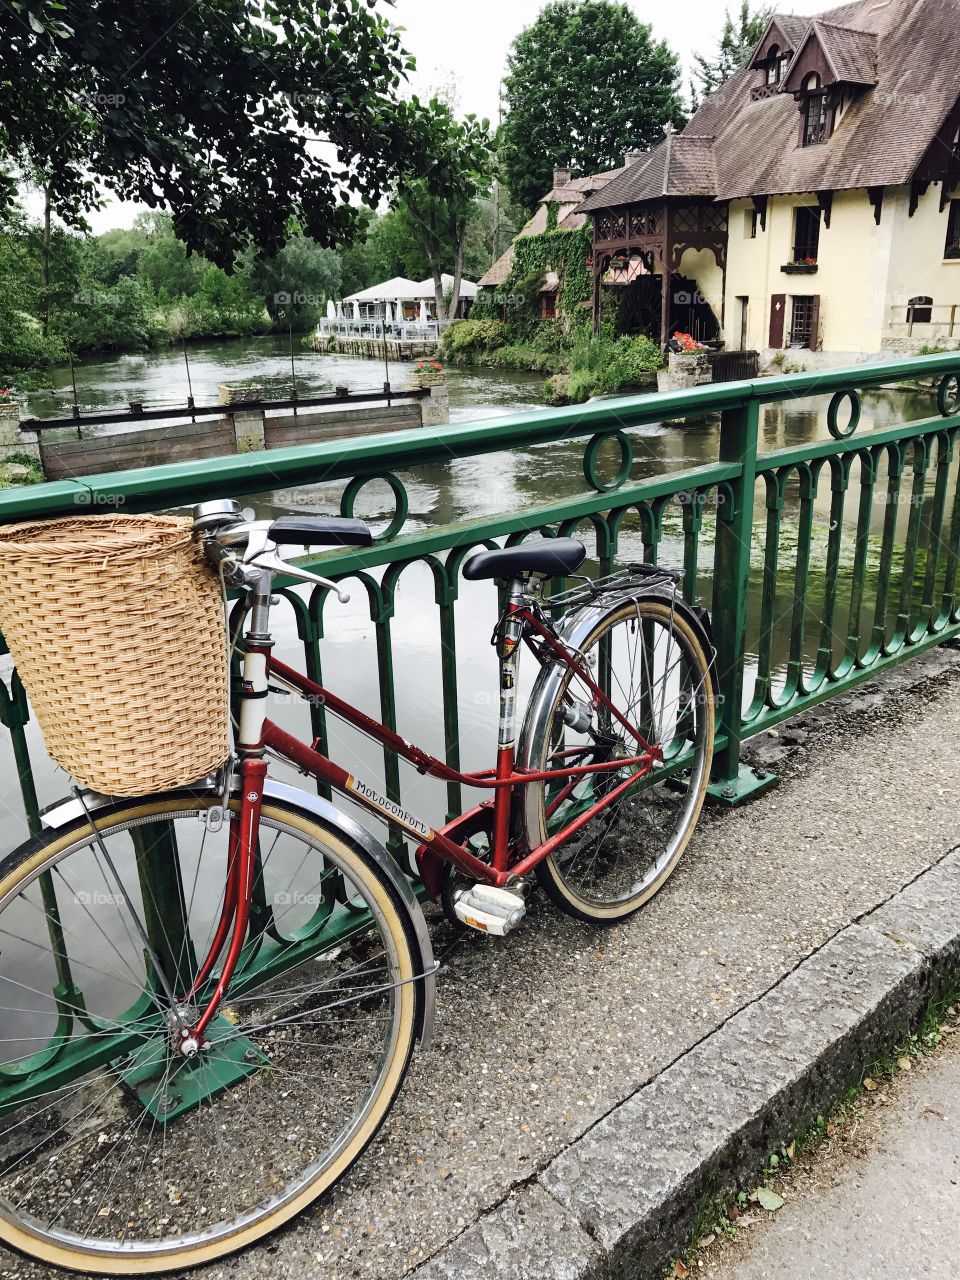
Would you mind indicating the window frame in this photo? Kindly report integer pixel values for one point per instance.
(804, 329)
(810, 215)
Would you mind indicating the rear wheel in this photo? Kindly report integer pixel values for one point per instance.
(649, 661)
(119, 1155)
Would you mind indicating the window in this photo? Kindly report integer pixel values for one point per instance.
(773, 65)
(806, 234)
(815, 129)
(548, 306)
(952, 249)
(751, 223)
(816, 113)
(920, 310)
(803, 322)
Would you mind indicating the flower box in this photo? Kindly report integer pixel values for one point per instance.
(799, 268)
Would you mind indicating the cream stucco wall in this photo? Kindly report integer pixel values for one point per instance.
(917, 266)
(852, 277)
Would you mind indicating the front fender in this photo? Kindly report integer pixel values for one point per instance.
(326, 815)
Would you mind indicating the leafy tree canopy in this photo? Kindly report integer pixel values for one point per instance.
(584, 84)
(236, 115)
(737, 42)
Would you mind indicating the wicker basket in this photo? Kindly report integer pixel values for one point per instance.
(116, 625)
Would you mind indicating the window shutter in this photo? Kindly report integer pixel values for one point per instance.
(814, 323)
(778, 310)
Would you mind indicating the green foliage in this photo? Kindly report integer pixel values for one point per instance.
(435, 211)
(28, 471)
(122, 317)
(737, 43)
(210, 108)
(585, 83)
(601, 365)
(564, 252)
(470, 337)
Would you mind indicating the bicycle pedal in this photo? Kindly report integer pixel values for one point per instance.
(490, 910)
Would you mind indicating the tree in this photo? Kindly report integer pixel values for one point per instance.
(737, 43)
(298, 281)
(211, 109)
(436, 208)
(585, 83)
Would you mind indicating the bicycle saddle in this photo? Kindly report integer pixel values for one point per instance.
(553, 557)
(319, 531)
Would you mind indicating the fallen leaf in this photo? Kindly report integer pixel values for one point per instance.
(791, 1150)
(904, 1064)
(679, 1270)
(706, 1242)
(769, 1200)
(870, 1084)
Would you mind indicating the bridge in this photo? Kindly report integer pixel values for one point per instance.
(825, 565)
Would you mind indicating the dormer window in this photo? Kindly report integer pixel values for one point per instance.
(816, 119)
(773, 66)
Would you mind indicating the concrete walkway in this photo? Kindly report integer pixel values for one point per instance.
(542, 1034)
(880, 1200)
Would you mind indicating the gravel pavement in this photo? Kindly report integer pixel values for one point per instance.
(541, 1034)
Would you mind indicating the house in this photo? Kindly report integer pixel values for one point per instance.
(406, 297)
(812, 203)
(557, 210)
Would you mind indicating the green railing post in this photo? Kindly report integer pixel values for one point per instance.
(738, 443)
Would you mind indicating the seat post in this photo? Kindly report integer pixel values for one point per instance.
(508, 651)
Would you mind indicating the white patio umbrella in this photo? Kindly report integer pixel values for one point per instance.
(424, 314)
(339, 310)
(331, 309)
(356, 310)
(388, 313)
(399, 309)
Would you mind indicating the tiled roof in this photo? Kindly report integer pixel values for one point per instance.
(851, 53)
(877, 142)
(569, 218)
(683, 164)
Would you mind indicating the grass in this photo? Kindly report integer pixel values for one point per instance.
(34, 472)
(716, 1217)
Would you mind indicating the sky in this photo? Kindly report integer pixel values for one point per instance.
(466, 42)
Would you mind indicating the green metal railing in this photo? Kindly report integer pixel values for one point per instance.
(833, 599)
(822, 564)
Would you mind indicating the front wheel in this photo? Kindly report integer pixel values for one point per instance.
(119, 1155)
(648, 658)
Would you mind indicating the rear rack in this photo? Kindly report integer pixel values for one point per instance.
(635, 577)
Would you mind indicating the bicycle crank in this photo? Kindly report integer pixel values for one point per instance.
(491, 910)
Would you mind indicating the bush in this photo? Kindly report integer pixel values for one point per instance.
(470, 337)
(599, 365)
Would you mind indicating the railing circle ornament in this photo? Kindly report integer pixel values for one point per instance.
(833, 414)
(948, 402)
(590, 461)
(352, 491)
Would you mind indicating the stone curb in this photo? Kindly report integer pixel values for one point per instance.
(621, 1201)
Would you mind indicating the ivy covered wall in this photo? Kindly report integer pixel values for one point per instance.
(562, 251)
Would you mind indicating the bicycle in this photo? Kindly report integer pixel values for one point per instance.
(211, 997)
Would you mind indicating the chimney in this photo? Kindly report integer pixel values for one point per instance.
(633, 156)
(562, 177)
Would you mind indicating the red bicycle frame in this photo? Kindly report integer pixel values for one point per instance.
(503, 780)
(437, 848)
